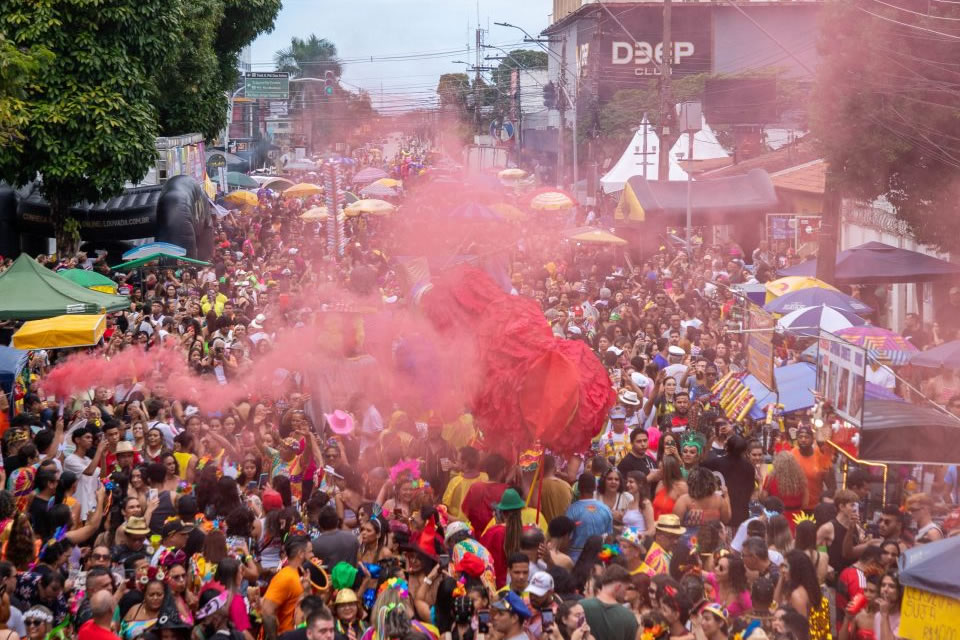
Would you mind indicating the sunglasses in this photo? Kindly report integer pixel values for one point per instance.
(32, 623)
(100, 556)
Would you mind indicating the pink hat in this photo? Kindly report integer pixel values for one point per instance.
(341, 422)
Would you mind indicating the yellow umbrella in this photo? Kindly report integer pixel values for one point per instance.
(371, 206)
(248, 198)
(512, 174)
(60, 332)
(389, 182)
(776, 288)
(509, 212)
(302, 190)
(592, 235)
(315, 214)
(551, 201)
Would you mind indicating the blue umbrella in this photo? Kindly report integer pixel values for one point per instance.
(145, 250)
(814, 297)
(946, 355)
(808, 322)
(474, 211)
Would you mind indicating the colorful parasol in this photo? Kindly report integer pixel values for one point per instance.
(509, 212)
(593, 235)
(243, 198)
(808, 321)
(813, 297)
(882, 344)
(315, 214)
(946, 355)
(551, 201)
(370, 174)
(781, 286)
(371, 206)
(512, 174)
(390, 183)
(302, 190)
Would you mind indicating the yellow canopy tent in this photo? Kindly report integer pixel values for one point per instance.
(629, 207)
(60, 332)
(776, 288)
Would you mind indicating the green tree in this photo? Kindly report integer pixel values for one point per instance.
(310, 58)
(886, 111)
(452, 90)
(18, 69)
(202, 70)
(88, 121)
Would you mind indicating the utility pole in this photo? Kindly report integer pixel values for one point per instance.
(666, 132)
(829, 223)
(476, 81)
(562, 107)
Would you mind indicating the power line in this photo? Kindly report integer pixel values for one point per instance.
(949, 36)
(917, 13)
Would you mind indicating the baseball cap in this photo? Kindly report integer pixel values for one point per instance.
(540, 584)
(512, 603)
(676, 351)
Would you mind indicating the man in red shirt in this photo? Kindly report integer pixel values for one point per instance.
(99, 627)
(853, 579)
(477, 505)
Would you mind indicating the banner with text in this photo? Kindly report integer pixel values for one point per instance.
(841, 376)
(760, 346)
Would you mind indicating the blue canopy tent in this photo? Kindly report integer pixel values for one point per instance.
(12, 362)
(794, 382)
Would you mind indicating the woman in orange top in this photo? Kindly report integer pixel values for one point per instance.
(670, 487)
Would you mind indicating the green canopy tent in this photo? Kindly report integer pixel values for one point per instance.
(242, 180)
(164, 258)
(30, 291)
(90, 279)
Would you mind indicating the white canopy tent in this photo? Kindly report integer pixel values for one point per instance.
(640, 159)
(705, 145)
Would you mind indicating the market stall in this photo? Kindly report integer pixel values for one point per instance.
(930, 575)
(30, 291)
(61, 332)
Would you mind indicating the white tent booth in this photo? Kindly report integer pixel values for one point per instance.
(640, 158)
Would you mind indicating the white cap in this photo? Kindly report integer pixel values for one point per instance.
(615, 349)
(674, 350)
(541, 583)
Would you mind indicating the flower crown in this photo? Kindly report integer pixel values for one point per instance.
(411, 467)
(398, 584)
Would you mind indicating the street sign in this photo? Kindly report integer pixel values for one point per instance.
(266, 85)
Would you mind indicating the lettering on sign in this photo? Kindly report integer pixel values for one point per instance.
(929, 616)
(641, 54)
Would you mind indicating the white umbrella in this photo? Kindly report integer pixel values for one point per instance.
(809, 320)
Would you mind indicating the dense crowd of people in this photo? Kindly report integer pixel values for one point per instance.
(128, 511)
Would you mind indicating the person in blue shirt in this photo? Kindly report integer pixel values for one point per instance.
(592, 517)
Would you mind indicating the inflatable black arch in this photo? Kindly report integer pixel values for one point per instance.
(178, 212)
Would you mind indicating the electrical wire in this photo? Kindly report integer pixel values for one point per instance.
(917, 13)
(949, 36)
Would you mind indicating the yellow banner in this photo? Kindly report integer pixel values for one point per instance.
(929, 615)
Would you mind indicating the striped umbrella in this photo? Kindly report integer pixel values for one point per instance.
(808, 322)
(882, 344)
(551, 201)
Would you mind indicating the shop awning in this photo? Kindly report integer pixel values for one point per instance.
(879, 263)
(794, 383)
(718, 201)
(61, 332)
(901, 432)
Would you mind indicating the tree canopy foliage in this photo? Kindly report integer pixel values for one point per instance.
(886, 111)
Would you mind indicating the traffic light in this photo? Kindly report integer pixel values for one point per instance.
(329, 83)
(550, 95)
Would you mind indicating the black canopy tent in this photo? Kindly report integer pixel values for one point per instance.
(718, 201)
(894, 431)
(879, 263)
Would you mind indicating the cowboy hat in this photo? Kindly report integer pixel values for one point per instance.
(670, 523)
(319, 579)
(341, 422)
(136, 526)
(124, 447)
